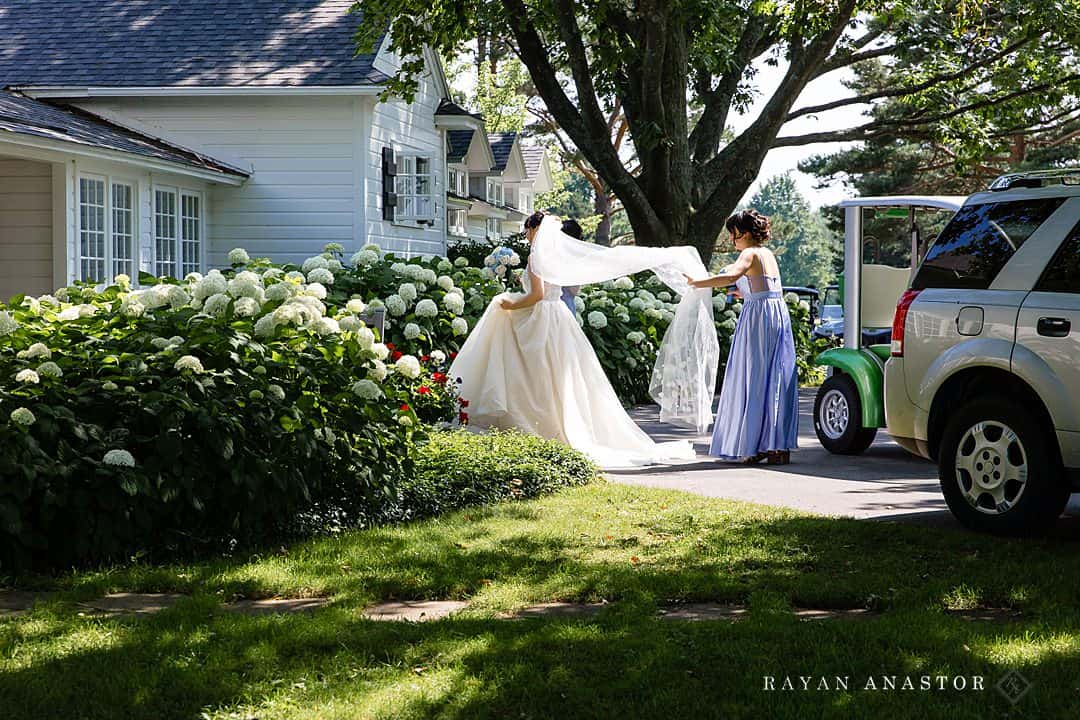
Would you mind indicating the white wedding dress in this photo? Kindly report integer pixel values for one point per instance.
(533, 369)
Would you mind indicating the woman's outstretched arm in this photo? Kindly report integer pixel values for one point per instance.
(535, 294)
(734, 271)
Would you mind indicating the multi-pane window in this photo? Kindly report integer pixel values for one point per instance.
(457, 222)
(493, 228)
(106, 229)
(458, 182)
(494, 192)
(414, 187)
(91, 229)
(177, 232)
(526, 202)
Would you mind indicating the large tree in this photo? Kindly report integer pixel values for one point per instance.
(679, 68)
(805, 247)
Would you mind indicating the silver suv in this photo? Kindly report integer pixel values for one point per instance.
(984, 376)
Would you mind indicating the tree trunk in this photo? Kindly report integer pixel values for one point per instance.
(602, 206)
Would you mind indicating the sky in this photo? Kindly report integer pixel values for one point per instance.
(826, 88)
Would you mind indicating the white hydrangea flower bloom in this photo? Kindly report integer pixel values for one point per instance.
(653, 314)
(123, 280)
(86, 310)
(667, 315)
(454, 303)
(597, 319)
(427, 308)
(245, 284)
(396, 305)
(407, 292)
(381, 351)
(239, 256)
(288, 314)
(365, 337)
(461, 262)
(68, 313)
(804, 306)
(408, 366)
(214, 283)
(355, 306)
(367, 390)
(38, 350)
(131, 307)
(378, 371)
(445, 282)
(645, 295)
(321, 275)
(119, 457)
(216, 305)
(637, 304)
(272, 274)
(412, 331)
(719, 301)
(27, 376)
(791, 298)
(23, 416)
(438, 357)
(256, 395)
(428, 276)
(8, 324)
(246, 307)
(189, 362)
(635, 337)
(404, 420)
(664, 295)
(295, 276)
(399, 268)
(365, 258)
(325, 326)
(624, 283)
(177, 297)
(373, 247)
(459, 326)
(444, 265)
(160, 343)
(109, 386)
(193, 277)
(279, 292)
(276, 392)
(265, 326)
(314, 262)
(49, 300)
(631, 363)
(350, 323)
(316, 290)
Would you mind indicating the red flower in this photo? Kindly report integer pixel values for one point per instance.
(389, 346)
(425, 358)
(464, 403)
(396, 355)
(439, 378)
(404, 408)
(424, 390)
(453, 354)
(463, 418)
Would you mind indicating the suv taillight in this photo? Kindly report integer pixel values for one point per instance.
(900, 319)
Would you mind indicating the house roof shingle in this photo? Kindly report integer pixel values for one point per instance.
(458, 142)
(170, 43)
(533, 156)
(449, 107)
(501, 145)
(25, 116)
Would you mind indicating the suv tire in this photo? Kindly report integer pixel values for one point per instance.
(993, 451)
(838, 417)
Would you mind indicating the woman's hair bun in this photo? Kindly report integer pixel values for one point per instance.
(534, 220)
(753, 222)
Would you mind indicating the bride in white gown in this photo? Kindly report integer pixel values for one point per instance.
(528, 365)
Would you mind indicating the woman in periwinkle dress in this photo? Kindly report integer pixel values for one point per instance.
(758, 417)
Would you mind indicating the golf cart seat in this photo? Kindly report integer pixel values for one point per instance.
(882, 287)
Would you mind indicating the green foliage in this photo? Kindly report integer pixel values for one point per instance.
(499, 98)
(459, 469)
(805, 247)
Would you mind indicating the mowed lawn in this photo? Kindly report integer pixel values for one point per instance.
(635, 548)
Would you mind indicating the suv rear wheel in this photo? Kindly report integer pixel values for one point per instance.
(996, 470)
(838, 417)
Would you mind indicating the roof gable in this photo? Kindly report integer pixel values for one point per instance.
(182, 43)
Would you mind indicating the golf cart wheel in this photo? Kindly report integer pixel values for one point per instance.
(838, 417)
(998, 473)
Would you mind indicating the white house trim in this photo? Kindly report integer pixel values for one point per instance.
(75, 91)
(73, 148)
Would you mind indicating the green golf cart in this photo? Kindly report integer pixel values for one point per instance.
(885, 239)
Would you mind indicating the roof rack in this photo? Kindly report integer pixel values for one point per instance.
(1037, 178)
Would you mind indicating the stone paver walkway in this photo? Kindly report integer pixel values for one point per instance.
(274, 606)
(130, 604)
(414, 610)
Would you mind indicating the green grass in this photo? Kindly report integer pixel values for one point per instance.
(637, 546)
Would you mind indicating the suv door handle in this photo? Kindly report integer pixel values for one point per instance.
(1054, 327)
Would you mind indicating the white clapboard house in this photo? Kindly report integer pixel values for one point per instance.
(157, 135)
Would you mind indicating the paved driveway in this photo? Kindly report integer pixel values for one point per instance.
(885, 483)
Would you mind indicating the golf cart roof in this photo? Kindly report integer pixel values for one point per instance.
(945, 202)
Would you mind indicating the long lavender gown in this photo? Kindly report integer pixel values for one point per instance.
(759, 403)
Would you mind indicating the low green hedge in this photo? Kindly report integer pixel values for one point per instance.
(458, 469)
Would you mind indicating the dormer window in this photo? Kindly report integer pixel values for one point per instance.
(458, 182)
(494, 192)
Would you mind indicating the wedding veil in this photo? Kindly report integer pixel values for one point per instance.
(684, 377)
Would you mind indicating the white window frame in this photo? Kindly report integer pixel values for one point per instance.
(494, 192)
(526, 201)
(110, 264)
(182, 226)
(414, 207)
(492, 234)
(458, 182)
(457, 229)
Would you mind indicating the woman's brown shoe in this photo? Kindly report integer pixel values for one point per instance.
(754, 459)
(779, 457)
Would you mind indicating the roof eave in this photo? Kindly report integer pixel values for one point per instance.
(76, 91)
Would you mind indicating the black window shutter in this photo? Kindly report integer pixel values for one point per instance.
(389, 173)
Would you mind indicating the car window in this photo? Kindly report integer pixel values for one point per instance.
(1063, 273)
(978, 242)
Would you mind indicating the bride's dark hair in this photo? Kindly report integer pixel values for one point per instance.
(753, 222)
(534, 220)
